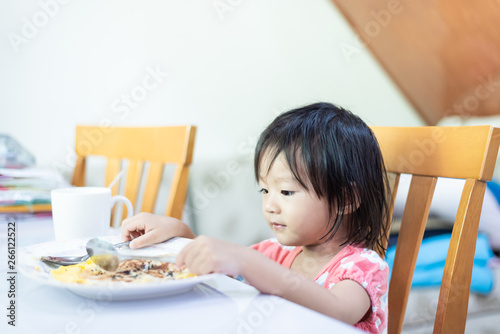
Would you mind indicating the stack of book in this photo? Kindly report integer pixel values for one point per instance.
(28, 189)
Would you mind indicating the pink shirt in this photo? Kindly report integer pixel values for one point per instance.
(361, 265)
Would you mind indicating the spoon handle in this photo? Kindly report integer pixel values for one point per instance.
(125, 243)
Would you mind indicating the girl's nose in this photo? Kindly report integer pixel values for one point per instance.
(270, 205)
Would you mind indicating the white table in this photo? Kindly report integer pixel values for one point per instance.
(220, 305)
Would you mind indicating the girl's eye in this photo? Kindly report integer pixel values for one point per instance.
(264, 191)
(286, 192)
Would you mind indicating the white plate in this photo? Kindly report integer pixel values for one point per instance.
(31, 266)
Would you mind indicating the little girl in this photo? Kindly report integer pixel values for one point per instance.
(324, 195)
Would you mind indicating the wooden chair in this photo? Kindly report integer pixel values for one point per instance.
(156, 145)
(428, 153)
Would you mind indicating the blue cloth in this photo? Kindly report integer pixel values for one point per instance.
(494, 187)
(432, 256)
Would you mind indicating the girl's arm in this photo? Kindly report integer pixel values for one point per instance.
(346, 301)
(148, 229)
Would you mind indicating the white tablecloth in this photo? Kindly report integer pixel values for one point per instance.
(220, 305)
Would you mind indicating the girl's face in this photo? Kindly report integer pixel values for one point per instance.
(297, 216)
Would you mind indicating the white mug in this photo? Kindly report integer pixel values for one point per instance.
(81, 212)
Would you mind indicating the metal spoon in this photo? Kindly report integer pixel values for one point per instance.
(104, 254)
(70, 260)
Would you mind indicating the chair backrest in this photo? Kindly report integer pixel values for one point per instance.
(428, 153)
(156, 145)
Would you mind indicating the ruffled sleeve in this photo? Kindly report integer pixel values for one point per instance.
(371, 272)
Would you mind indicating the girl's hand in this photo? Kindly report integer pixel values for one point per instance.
(205, 255)
(147, 229)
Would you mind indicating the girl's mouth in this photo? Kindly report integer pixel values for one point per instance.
(278, 227)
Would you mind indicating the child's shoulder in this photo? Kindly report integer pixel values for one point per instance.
(361, 265)
(362, 256)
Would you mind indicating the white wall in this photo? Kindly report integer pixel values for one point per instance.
(227, 66)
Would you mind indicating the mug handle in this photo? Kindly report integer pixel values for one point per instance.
(126, 201)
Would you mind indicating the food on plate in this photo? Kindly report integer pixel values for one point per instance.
(136, 270)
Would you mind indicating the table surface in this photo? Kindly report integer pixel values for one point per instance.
(219, 305)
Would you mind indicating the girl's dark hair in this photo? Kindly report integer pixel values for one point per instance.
(333, 150)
